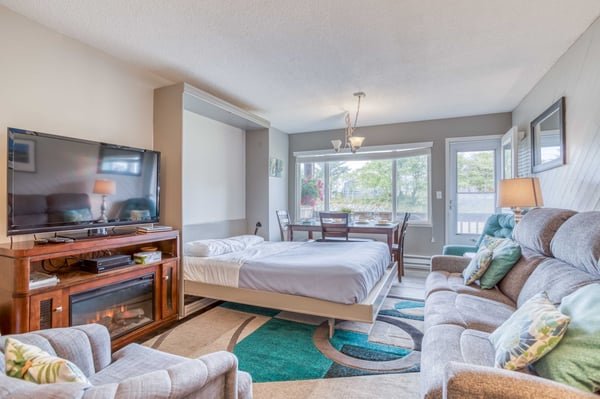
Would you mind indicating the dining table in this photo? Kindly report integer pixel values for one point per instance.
(387, 228)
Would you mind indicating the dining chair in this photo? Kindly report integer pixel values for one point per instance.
(398, 248)
(335, 227)
(283, 217)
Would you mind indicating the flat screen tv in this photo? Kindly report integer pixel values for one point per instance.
(58, 183)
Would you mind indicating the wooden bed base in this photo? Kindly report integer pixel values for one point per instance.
(365, 311)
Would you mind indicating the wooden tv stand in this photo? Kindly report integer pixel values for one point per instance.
(23, 309)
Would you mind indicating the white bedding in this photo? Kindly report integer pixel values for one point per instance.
(225, 269)
(343, 272)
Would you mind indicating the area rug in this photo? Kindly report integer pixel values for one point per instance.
(283, 346)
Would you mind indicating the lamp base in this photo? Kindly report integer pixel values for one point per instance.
(517, 211)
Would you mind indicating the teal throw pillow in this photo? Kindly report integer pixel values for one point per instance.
(504, 257)
(529, 333)
(77, 215)
(477, 266)
(575, 360)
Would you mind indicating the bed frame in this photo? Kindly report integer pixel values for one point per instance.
(365, 311)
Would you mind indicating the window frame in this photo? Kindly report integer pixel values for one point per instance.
(373, 153)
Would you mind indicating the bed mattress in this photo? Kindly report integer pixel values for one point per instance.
(342, 272)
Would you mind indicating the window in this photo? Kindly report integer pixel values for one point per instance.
(382, 184)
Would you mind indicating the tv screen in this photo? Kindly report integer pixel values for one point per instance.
(58, 183)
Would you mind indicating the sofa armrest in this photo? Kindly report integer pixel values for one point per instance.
(458, 250)
(449, 263)
(209, 376)
(469, 381)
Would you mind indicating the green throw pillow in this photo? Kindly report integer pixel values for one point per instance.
(504, 257)
(477, 266)
(30, 363)
(575, 360)
(529, 333)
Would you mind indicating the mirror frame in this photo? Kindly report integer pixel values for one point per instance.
(558, 106)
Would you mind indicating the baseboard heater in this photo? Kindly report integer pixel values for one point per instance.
(417, 261)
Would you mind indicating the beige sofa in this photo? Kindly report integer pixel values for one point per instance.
(133, 372)
(560, 252)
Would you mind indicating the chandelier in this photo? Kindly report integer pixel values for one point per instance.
(350, 140)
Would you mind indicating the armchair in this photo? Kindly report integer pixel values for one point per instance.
(497, 225)
(132, 372)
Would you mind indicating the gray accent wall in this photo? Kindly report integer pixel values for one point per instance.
(576, 76)
(420, 240)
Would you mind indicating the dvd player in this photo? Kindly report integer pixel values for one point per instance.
(106, 263)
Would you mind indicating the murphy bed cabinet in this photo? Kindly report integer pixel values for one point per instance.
(23, 309)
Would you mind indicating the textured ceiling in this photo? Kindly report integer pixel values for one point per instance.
(297, 63)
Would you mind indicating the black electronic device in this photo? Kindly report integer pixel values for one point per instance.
(58, 183)
(106, 263)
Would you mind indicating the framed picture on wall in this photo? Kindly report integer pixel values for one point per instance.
(275, 167)
(21, 155)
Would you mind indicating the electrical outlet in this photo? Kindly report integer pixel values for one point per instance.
(438, 194)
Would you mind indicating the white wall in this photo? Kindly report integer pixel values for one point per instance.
(278, 186)
(214, 170)
(54, 84)
(576, 75)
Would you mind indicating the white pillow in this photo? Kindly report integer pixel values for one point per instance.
(220, 246)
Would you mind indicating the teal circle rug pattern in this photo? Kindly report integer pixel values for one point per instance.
(286, 349)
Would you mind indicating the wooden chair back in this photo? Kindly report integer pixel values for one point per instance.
(283, 218)
(399, 247)
(334, 225)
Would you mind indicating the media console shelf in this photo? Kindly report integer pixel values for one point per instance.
(154, 304)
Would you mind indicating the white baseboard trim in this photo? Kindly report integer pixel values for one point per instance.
(421, 262)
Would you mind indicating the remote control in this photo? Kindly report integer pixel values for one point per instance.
(56, 240)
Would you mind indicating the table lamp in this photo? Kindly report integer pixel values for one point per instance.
(520, 193)
(104, 187)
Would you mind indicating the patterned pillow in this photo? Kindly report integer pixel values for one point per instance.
(491, 242)
(477, 266)
(529, 333)
(30, 363)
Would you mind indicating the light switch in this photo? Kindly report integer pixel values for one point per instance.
(438, 194)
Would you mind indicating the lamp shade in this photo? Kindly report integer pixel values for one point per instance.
(521, 193)
(105, 187)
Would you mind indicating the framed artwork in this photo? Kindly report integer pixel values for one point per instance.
(21, 155)
(548, 138)
(275, 167)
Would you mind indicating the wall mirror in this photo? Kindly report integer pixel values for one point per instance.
(548, 138)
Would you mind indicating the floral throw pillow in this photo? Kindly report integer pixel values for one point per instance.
(477, 266)
(529, 333)
(30, 363)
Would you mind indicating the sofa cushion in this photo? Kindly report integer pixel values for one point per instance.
(578, 246)
(134, 360)
(575, 359)
(512, 284)
(529, 333)
(538, 226)
(557, 278)
(444, 281)
(476, 348)
(467, 311)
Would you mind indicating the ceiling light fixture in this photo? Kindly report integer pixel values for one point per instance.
(351, 141)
